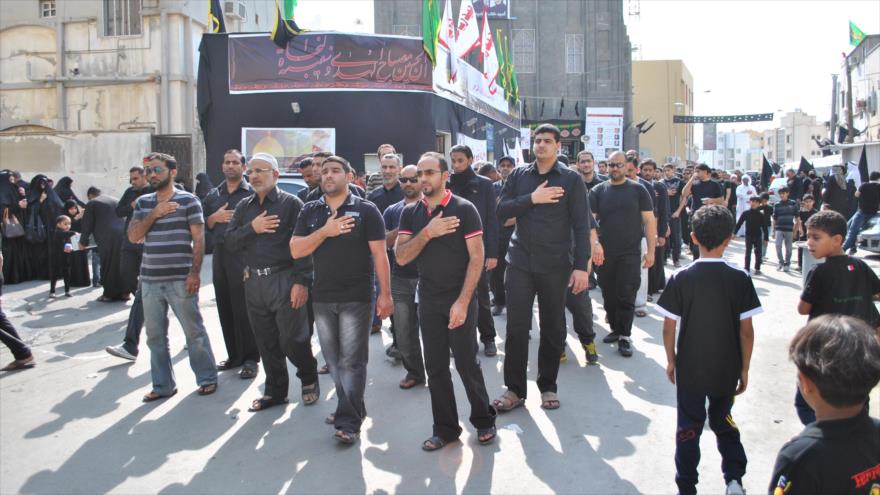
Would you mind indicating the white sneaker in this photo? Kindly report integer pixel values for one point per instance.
(734, 488)
(120, 352)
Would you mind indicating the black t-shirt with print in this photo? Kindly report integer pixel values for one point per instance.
(843, 285)
(709, 298)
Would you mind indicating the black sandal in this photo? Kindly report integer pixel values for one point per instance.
(346, 437)
(493, 432)
(153, 396)
(247, 373)
(265, 403)
(207, 389)
(433, 443)
(313, 389)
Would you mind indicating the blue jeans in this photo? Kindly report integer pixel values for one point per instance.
(157, 297)
(856, 224)
(344, 333)
(135, 324)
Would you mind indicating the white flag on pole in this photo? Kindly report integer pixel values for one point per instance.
(490, 59)
(446, 39)
(468, 36)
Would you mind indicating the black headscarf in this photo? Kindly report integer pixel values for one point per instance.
(8, 191)
(65, 192)
(203, 185)
(40, 185)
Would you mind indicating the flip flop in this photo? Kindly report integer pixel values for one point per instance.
(265, 403)
(152, 396)
(313, 389)
(20, 364)
(207, 389)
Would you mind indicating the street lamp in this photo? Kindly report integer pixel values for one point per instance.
(675, 143)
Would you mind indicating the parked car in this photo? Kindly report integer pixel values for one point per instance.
(774, 188)
(869, 238)
(291, 182)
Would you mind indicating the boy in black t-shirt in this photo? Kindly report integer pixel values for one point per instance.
(838, 361)
(754, 221)
(842, 284)
(715, 303)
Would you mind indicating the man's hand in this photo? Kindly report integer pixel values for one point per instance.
(670, 372)
(545, 194)
(193, 282)
(440, 225)
(649, 259)
(163, 209)
(384, 306)
(743, 382)
(457, 314)
(22, 204)
(491, 263)
(299, 294)
(222, 215)
(337, 225)
(676, 214)
(578, 281)
(265, 223)
(598, 254)
(661, 241)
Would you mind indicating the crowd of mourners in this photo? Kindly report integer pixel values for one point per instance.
(442, 246)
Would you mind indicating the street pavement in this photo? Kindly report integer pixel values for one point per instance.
(75, 423)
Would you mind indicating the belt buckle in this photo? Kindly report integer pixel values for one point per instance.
(263, 271)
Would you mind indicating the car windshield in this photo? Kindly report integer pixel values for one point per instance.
(290, 187)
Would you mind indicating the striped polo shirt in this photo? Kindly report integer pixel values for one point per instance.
(168, 245)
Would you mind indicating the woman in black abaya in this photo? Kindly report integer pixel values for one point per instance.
(43, 201)
(65, 193)
(16, 266)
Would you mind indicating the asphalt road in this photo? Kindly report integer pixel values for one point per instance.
(75, 423)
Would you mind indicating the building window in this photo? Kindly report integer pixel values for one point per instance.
(122, 17)
(47, 8)
(406, 30)
(574, 53)
(788, 153)
(524, 50)
(787, 139)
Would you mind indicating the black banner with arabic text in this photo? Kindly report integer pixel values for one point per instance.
(720, 119)
(315, 61)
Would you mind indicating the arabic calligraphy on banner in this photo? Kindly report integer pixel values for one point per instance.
(332, 61)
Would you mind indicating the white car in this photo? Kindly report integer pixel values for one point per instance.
(291, 183)
(774, 188)
(869, 238)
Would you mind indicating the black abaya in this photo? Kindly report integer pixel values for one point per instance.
(100, 221)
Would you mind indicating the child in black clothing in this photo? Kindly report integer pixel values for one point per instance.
(754, 220)
(714, 303)
(838, 362)
(767, 211)
(807, 210)
(60, 252)
(842, 284)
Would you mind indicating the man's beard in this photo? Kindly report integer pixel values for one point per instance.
(163, 184)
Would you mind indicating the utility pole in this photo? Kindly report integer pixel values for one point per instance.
(850, 129)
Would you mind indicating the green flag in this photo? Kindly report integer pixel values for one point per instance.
(855, 34)
(285, 28)
(430, 28)
(511, 75)
(289, 5)
(502, 66)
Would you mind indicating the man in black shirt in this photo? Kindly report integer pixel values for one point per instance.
(219, 206)
(673, 190)
(632, 173)
(443, 234)
(479, 191)
(703, 191)
(754, 222)
(390, 192)
(838, 362)
(316, 192)
(506, 165)
(586, 166)
(625, 213)
(657, 274)
(311, 176)
(869, 202)
(100, 220)
(347, 236)
(795, 185)
(549, 202)
(275, 285)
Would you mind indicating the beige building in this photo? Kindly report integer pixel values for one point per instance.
(663, 88)
(87, 87)
(795, 137)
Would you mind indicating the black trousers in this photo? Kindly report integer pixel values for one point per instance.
(497, 275)
(756, 244)
(485, 320)
(281, 331)
(11, 339)
(522, 287)
(686, 229)
(581, 308)
(619, 278)
(229, 291)
(437, 340)
(691, 418)
(674, 238)
(657, 272)
(59, 268)
(130, 268)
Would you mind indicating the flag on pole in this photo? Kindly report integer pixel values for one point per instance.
(446, 39)
(863, 164)
(285, 28)
(489, 56)
(766, 172)
(468, 37)
(855, 34)
(430, 28)
(805, 166)
(502, 67)
(216, 23)
(513, 86)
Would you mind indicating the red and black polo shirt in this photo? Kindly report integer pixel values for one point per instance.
(443, 262)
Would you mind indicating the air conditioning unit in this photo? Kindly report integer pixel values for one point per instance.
(236, 10)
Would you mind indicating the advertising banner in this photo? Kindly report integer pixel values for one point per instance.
(287, 144)
(603, 131)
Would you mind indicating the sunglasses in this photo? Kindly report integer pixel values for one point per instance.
(408, 180)
(616, 165)
(155, 170)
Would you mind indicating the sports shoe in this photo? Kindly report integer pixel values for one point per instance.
(393, 352)
(734, 488)
(120, 352)
(624, 347)
(592, 355)
(611, 338)
(563, 358)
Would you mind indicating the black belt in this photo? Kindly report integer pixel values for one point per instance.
(269, 270)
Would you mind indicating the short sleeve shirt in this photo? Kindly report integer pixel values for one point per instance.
(707, 189)
(168, 244)
(709, 298)
(443, 262)
(619, 209)
(343, 264)
(392, 221)
(844, 285)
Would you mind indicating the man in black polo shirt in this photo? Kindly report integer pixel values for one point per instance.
(703, 191)
(220, 203)
(479, 191)
(347, 236)
(316, 192)
(443, 234)
(625, 213)
(275, 286)
(549, 202)
(390, 192)
(506, 165)
(673, 190)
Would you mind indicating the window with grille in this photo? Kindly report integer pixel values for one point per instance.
(574, 53)
(406, 30)
(524, 50)
(47, 8)
(122, 17)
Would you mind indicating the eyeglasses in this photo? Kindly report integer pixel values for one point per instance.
(616, 164)
(408, 180)
(154, 170)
